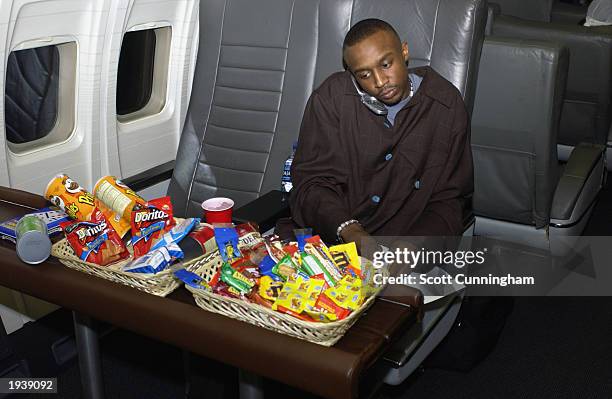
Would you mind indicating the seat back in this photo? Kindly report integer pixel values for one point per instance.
(587, 107)
(259, 60)
(534, 10)
(514, 129)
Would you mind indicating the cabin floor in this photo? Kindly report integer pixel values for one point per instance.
(550, 347)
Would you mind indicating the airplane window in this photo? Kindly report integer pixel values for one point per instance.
(39, 96)
(30, 97)
(142, 73)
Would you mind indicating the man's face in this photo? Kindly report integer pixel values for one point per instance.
(378, 63)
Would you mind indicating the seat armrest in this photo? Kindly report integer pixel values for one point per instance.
(403, 295)
(265, 210)
(581, 163)
(150, 177)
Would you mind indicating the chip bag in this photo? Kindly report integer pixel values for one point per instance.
(95, 241)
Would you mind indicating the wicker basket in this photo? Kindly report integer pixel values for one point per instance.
(160, 284)
(325, 334)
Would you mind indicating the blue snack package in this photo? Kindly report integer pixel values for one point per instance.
(301, 235)
(192, 279)
(265, 268)
(227, 241)
(177, 233)
(155, 260)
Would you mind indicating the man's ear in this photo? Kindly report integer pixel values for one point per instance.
(405, 52)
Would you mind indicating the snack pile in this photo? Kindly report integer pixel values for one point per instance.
(304, 279)
(104, 224)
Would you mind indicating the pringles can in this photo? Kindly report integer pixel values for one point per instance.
(118, 196)
(68, 195)
(33, 243)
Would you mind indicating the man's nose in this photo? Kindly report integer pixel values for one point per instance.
(380, 79)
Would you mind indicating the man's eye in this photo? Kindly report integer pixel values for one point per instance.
(363, 75)
(386, 65)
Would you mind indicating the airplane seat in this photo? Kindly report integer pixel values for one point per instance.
(258, 62)
(533, 10)
(587, 105)
(543, 10)
(565, 13)
(521, 194)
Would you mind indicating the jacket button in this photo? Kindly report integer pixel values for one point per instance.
(417, 184)
(376, 199)
(388, 157)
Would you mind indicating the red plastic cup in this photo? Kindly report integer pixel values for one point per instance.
(218, 210)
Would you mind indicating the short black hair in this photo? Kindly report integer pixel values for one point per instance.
(364, 29)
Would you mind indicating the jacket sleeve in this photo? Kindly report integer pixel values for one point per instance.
(318, 171)
(443, 214)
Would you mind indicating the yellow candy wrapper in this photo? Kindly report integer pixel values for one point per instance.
(298, 292)
(269, 289)
(347, 293)
(344, 255)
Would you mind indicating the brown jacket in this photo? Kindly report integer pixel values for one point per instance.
(410, 179)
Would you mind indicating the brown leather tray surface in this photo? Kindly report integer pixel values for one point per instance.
(330, 372)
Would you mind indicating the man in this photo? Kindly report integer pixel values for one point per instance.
(357, 173)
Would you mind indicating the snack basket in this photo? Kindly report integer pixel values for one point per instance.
(326, 334)
(160, 284)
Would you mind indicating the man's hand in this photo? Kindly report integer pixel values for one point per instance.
(366, 244)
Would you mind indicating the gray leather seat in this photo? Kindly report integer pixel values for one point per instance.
(543, 10)
(587, 104)
(521, 194)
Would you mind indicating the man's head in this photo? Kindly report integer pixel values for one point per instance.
(373, 53)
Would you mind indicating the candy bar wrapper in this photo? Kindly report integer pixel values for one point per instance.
(227, 241)
(249, 269)
(150, 222)
(301, 235)
(285, 268)
(265, 268)
(269, 289)
(347, 293)
(320, 315)
(255, 297)
(248, 236)
(293, 250)
(312, 267)
(235, 279)
(315, 247)
(156, 260)
(329, 306)
(303, 317)
(299, 292)
(193, 280)
(95, 241)
(275, 247)
(177, 233)
(225, 290)
(345, 255)
(369, 286)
